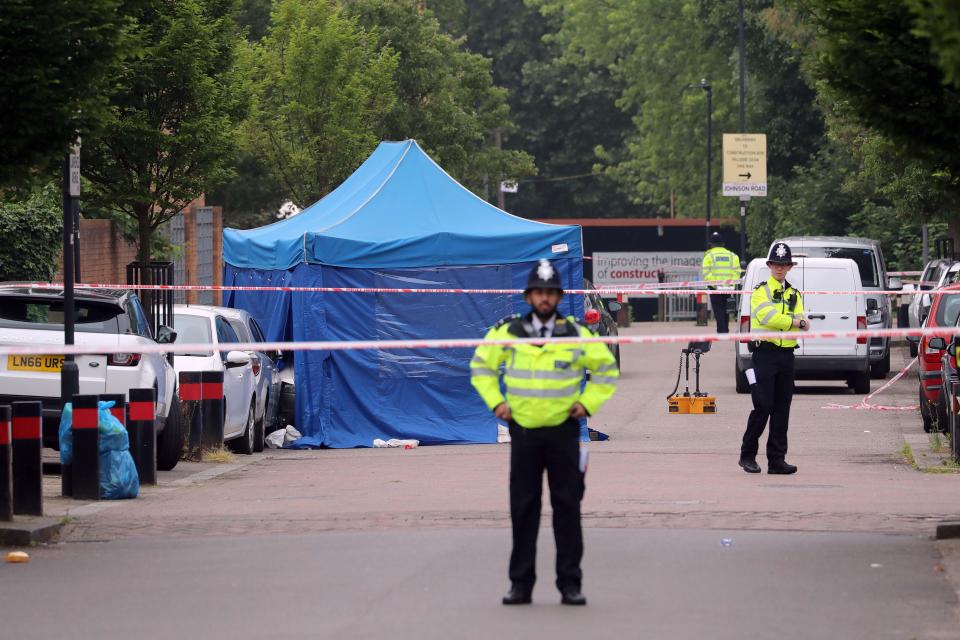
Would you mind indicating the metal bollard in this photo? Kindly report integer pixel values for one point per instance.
(86, 448)
(6, 467)
(143, 434)
(27, 467)
(211, 405)
(190, 402)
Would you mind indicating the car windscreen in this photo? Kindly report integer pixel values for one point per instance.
(37, 313)
(948, 310)
(192, 330)
(866, 261)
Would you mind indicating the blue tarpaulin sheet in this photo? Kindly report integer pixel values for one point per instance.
(398, 222)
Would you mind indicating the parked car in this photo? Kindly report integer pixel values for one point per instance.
(243, 425)
(265, 367)
(822, 358)
(949, 381)
(606, 324)
(108, 318)
(944, 311)
(868, 256)
(934, 275)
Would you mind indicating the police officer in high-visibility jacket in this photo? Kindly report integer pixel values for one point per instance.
(719, 263)
(774, 306)
(543, 405)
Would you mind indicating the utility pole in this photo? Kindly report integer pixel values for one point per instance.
(743, 128)
(69, 372)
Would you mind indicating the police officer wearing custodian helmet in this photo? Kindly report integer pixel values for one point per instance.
(774, 306)
(543, 406)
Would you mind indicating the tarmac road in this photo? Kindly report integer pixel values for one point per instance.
(414, 544)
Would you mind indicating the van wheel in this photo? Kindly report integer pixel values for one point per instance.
(861, 382)
(743, 385)
(170, 441)
(880, 369)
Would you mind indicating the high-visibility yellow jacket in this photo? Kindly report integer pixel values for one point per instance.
(543, 382)
(720, 264)
(773, 306)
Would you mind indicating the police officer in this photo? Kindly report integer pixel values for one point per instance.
(543, 407)
(774, 306)
(719, 263)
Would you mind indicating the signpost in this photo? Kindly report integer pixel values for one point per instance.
(744, 172)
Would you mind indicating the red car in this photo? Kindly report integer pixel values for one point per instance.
(944, 309)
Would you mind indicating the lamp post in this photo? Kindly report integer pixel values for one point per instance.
(743, 129)
(706, 87)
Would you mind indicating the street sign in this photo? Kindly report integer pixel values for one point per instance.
(75, 170)
(744, 164)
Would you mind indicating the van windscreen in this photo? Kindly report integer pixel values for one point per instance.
(866, 263)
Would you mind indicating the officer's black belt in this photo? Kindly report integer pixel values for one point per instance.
(763, 345)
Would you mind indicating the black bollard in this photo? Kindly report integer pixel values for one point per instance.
(6, 467)
(27, 467)
(86, 448)
(143, 434)
(211, 405)
(190, 402)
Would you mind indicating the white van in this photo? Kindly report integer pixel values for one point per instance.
(822, 358)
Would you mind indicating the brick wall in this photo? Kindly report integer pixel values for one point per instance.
(104, 253)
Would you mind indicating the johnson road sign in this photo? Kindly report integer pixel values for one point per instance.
(744, 164)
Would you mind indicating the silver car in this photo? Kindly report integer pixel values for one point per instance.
(268, 376)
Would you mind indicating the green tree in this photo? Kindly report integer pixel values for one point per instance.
(564, 107)
(322, 87)
(174, 109)
(446, 98)
(32, 231)
(940, 23)
(58, 59)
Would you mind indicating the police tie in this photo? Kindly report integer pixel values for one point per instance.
(543, 332)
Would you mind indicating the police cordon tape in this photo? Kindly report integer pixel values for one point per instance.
(865, 404)
(461, 343)
(646, 290)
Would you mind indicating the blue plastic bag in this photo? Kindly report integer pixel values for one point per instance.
(118, 473)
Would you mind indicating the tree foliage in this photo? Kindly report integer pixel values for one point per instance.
(174, 109)
(58, 59)
(32, 229)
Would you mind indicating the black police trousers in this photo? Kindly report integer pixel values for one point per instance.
(556, 450)
(772, 395)
(719, 304)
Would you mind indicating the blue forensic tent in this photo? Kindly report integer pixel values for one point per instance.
(399, 221)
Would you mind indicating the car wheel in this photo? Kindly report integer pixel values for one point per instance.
(258, 434)
(244, 444)
(861, 382)
(743, 385)
(171, 440)
(925, 413)
(880, 369)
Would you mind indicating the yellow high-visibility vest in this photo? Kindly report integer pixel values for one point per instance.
(773, 308)
(543, 382)
(721, 264)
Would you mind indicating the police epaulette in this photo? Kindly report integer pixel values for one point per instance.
(760, 284)
(506, 320)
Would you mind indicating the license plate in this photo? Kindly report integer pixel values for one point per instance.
(51, 364)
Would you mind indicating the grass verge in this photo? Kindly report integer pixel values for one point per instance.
(907, 454)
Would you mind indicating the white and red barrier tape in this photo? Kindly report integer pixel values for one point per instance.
(865, 403)
(459, 343)
(608, 291)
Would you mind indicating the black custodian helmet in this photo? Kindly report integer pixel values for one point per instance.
(716, 239)
(544, 276)
(780, 254)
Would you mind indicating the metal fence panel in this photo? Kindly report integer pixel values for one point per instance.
(205, 252)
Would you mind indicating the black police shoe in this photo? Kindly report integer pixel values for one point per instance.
(572, 595)
(518, 595)
(750, 466)
(780, 467)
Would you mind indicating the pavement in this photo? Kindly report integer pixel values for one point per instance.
(680, 542)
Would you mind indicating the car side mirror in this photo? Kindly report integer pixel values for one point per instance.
(894, 283)
(166, 335)
(614, 306)
(937, 343)
(237, 359)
